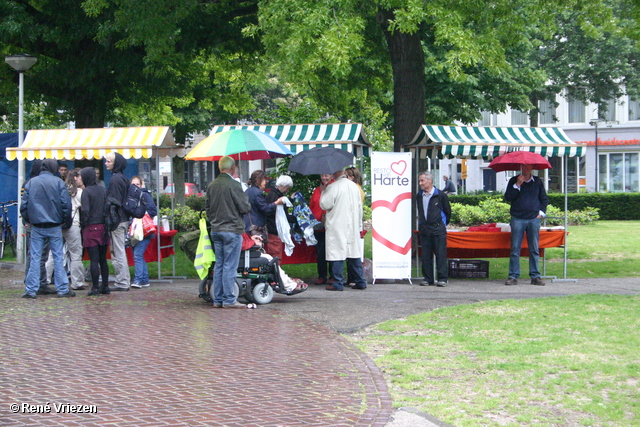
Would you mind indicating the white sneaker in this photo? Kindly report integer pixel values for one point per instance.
(146, 285)
(136, 285)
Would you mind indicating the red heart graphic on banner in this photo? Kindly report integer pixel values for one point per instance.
(399, 167)
(392, 206)
(402, 250)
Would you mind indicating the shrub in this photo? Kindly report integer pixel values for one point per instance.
(610, 206)
(185, 218)
(165, 201)
(494, 210)
(465, 215)
(195, 202)
(366, 212)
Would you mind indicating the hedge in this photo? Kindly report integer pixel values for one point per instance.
(611, 206)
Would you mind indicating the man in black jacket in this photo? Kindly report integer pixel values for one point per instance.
(118, 190)
(434, 213)
(46, 206)
(529, 202)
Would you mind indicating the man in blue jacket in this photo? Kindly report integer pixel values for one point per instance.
(529, 202)
(46, 206)
(434, 213)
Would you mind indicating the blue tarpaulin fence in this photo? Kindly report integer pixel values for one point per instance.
(9, 175)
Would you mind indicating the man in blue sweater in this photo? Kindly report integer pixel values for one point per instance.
(529, 202)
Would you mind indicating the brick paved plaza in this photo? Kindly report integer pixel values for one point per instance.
(161, 357)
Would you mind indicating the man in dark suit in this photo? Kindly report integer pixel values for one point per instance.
(434, 213)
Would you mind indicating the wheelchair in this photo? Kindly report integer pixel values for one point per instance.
(257, 279)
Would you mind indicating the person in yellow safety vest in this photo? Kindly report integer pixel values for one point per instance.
(204, 252)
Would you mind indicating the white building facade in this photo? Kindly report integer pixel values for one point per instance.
(618, 148)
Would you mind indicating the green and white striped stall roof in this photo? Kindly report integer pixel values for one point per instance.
(348, 136)
(488, 142)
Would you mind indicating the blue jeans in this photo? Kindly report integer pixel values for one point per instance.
(518, 228)
(141, 272)
(39, 236)
(354, 267)
(226, 246)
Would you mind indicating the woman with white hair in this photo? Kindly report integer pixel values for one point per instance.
(275, 246)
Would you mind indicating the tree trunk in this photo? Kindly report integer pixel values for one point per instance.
(178, 164)
(407, 62)
(533, 113)
(89, 116)
(178, 179)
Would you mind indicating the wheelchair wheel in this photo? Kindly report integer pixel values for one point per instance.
(262, 293)
(206, 288)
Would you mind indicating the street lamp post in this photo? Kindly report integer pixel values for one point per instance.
(594, 122)
(20, 63)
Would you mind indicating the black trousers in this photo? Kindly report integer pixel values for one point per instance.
(434, 245)
(321, 258)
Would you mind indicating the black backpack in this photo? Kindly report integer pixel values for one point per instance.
(134, 204)
(111, 216)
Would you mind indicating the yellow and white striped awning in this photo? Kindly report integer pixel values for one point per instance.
(76, 144)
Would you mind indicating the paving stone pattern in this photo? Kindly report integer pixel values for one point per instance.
(158, 357)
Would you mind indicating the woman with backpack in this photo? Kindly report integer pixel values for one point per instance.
(95, 237)
(141, 272)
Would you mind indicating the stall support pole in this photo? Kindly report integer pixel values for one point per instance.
(565, 187)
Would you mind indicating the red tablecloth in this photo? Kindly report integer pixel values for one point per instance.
(151, 254)
(302, 254)
(480, 244)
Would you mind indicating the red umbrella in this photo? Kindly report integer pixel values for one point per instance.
(516, 159)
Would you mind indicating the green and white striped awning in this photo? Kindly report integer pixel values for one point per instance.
(348, 136)
(488, 142)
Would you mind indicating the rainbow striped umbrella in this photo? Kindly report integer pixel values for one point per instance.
(241, 144)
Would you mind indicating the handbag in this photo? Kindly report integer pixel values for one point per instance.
(135, 233)
(148, 227)
(261, 231)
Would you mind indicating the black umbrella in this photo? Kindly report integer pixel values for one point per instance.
(320, 160)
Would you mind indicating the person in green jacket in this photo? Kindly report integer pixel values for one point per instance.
(226, 204)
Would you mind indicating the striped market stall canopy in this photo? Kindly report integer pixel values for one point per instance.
(488, 142)
(76, 144)
(348, 136)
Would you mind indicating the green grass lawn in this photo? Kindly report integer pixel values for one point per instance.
(567, 361)
(604, 249)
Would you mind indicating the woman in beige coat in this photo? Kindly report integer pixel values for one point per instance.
(343, 202)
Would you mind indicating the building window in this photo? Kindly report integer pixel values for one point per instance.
(519, 117)
(487, 119)
(631, 172)
(576, 110)
(634, 109)
(547, 114)
(618, 172)
(610, 114)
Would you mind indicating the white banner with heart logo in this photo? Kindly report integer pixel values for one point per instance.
(391, 214)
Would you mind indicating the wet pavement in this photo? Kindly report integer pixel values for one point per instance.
(161, 356)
